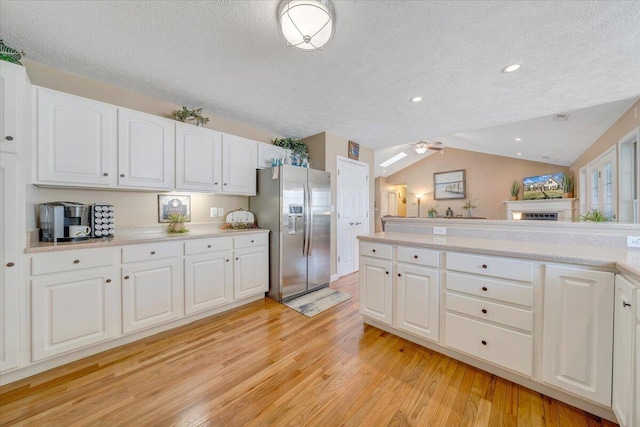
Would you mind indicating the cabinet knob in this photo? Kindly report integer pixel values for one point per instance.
(227, 260)
(76, 261)
(237, 258)
(484, 265)
(387, 272)
(105, 174)
(484, 311)
(625, 304)
(252, 241)
(121, 175)
(484, 288)
(153, 252)
(352, 223)
(8, 138)
(126, 277)
(415, 257)
(208, 246)
(224, 183)
(399, 275)
(483, 342)
(108, 280)
(10, 264)
(373, 250)
(215, 183)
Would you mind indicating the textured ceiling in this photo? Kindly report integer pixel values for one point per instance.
(228, 57)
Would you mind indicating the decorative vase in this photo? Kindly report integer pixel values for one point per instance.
(177, 227)
(469, 212)
(567, 195)
(514, 197)
(431, 215)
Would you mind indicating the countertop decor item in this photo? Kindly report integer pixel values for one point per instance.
(240, 219)
(9, 54)
(193, 117)
(432, 209)
(596, 215)
(177, 223)
(306, 25)
(298, 149)
(470, 204)
(567, 186)
(515, 189)
(173, 204)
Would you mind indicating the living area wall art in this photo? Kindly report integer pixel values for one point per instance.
(449, 185)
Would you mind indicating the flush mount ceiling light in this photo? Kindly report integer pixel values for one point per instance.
(306, 24)
(416, 99)
(511, 68)
(421, 147)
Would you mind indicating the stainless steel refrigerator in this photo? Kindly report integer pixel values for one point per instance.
(295, 204)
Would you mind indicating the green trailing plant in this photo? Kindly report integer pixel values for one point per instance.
(470, 203)
(596, 215)
(296, 146)
(194, 117)
(432, 209)
(9, 54)
(568, 183)
(515, 188)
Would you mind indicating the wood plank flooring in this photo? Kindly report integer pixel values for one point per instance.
(267, 365)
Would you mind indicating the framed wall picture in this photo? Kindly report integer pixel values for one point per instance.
(173, 204)
(449, 185)
(354, 150)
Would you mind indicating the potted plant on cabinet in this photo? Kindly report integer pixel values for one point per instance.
(515, 190)
(298, 149)
(567, 186)
(177, 223)
(193, 117)
(432, 210)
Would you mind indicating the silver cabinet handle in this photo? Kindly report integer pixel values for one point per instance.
(358, 223)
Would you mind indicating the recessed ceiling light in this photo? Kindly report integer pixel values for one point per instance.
(518, 139)
(416, 99)
(394, 159)
(511, 68)
(519, 154)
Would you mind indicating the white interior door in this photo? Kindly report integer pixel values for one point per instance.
(352, 197)
(602, 186)
(393, 203)
(384, 204)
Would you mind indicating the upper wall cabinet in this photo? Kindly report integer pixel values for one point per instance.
(145, 150)
(239, 165)
(198, 158)
(266, 152)
(75, 140)
(12, 87)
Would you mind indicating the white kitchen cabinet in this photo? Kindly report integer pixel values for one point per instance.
(76, 140)
(10, 256)
(376, 291)
(238, 165)
(146, 145)
(622, 392)
(250, 271)
(12, 94)
(72, 310)
(152, 293)
(578, 331)
(208, 280)
(267, 152)
(636, 363)
(417, 308)
(198, 158)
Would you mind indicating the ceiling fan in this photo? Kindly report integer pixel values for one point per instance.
(422, 147)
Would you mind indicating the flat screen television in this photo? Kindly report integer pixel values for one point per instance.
(543, 186)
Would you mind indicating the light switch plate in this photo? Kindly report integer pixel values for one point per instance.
(213, 212)
(633, 242)
(220, 211)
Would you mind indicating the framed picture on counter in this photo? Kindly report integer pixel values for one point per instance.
(173, 204)
(449, 185)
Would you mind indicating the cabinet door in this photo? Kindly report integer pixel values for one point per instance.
(376, 293)
(73, 310)
(622, 351)
(208, 281)
(198, 158)
(266, 152)
(76, 140)
(11, 263)
(145, 150)
(11, 88)
(578, 331)
(151, 293)
(636, 364)
(238, 165)
(250, 272)
(417, 301)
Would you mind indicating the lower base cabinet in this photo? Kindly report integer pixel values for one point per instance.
(73, 310)
(208, 281)
(151, 293)
(417, 308)
(250, 271)
(376, 292)
(622, 392)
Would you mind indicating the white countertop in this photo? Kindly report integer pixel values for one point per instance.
(622, 259)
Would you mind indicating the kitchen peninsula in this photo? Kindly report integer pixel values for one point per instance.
(517, 299)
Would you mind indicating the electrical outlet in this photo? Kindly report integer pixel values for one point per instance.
(213, 212)
(633, 242)
(220, 211)
(440, 230)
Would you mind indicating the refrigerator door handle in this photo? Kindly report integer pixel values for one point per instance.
(306, 223)
(310, 215)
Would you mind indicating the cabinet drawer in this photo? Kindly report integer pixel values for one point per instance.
(491, 311)
(491, 266)
(201, 246)
(376, 250)
(151, 251)
(424, 257)
(502, 291)
(502, 347)
(250, 240)
(56, 262)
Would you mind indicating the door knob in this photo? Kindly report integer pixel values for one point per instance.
(351, 223)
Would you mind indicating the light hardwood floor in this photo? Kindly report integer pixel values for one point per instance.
(266, 365)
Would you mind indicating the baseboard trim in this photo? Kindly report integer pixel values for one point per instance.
(333, 278)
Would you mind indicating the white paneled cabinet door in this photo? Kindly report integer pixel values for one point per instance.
(417, 301)
(376, 293)
(622, 352)
(250, 272)
(11, 83)
(145, 150)
(151, 293)
(208, 281)
(73, 310)
(76, 140)
(238, 165)
(578, 331)
(10, 258)
(636, 363)
(198, 158)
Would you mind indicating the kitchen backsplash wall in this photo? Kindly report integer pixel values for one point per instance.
(135, 208)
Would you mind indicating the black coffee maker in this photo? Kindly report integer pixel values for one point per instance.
(64, 222)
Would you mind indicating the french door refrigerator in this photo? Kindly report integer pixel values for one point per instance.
(294, 203)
